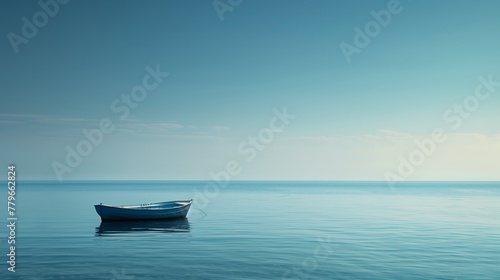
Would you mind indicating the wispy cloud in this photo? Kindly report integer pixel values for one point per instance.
(10, 122)
(62, 120)
(193, 137)
(220, 128)
(74, 125)
(394, 134)
(143, 127)
(41, 119)
(25, 116)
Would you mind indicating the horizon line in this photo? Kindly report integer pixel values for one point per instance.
(255, 180)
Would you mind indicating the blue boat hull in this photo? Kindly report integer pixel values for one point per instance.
(151, 211)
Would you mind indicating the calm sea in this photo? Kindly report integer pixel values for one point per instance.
(259, 230)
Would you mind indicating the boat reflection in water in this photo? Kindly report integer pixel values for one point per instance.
(152, 226)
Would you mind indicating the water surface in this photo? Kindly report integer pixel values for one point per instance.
(260, 230)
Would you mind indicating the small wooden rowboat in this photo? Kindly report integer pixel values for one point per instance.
(150, 211)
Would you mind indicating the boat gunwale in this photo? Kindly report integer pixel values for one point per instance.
(139, 207)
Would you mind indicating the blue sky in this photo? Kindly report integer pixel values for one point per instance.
(353, 120)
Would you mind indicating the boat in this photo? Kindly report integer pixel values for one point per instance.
(150, 211)
(109, 228)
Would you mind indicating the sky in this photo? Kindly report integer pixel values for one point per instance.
(250, 90)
